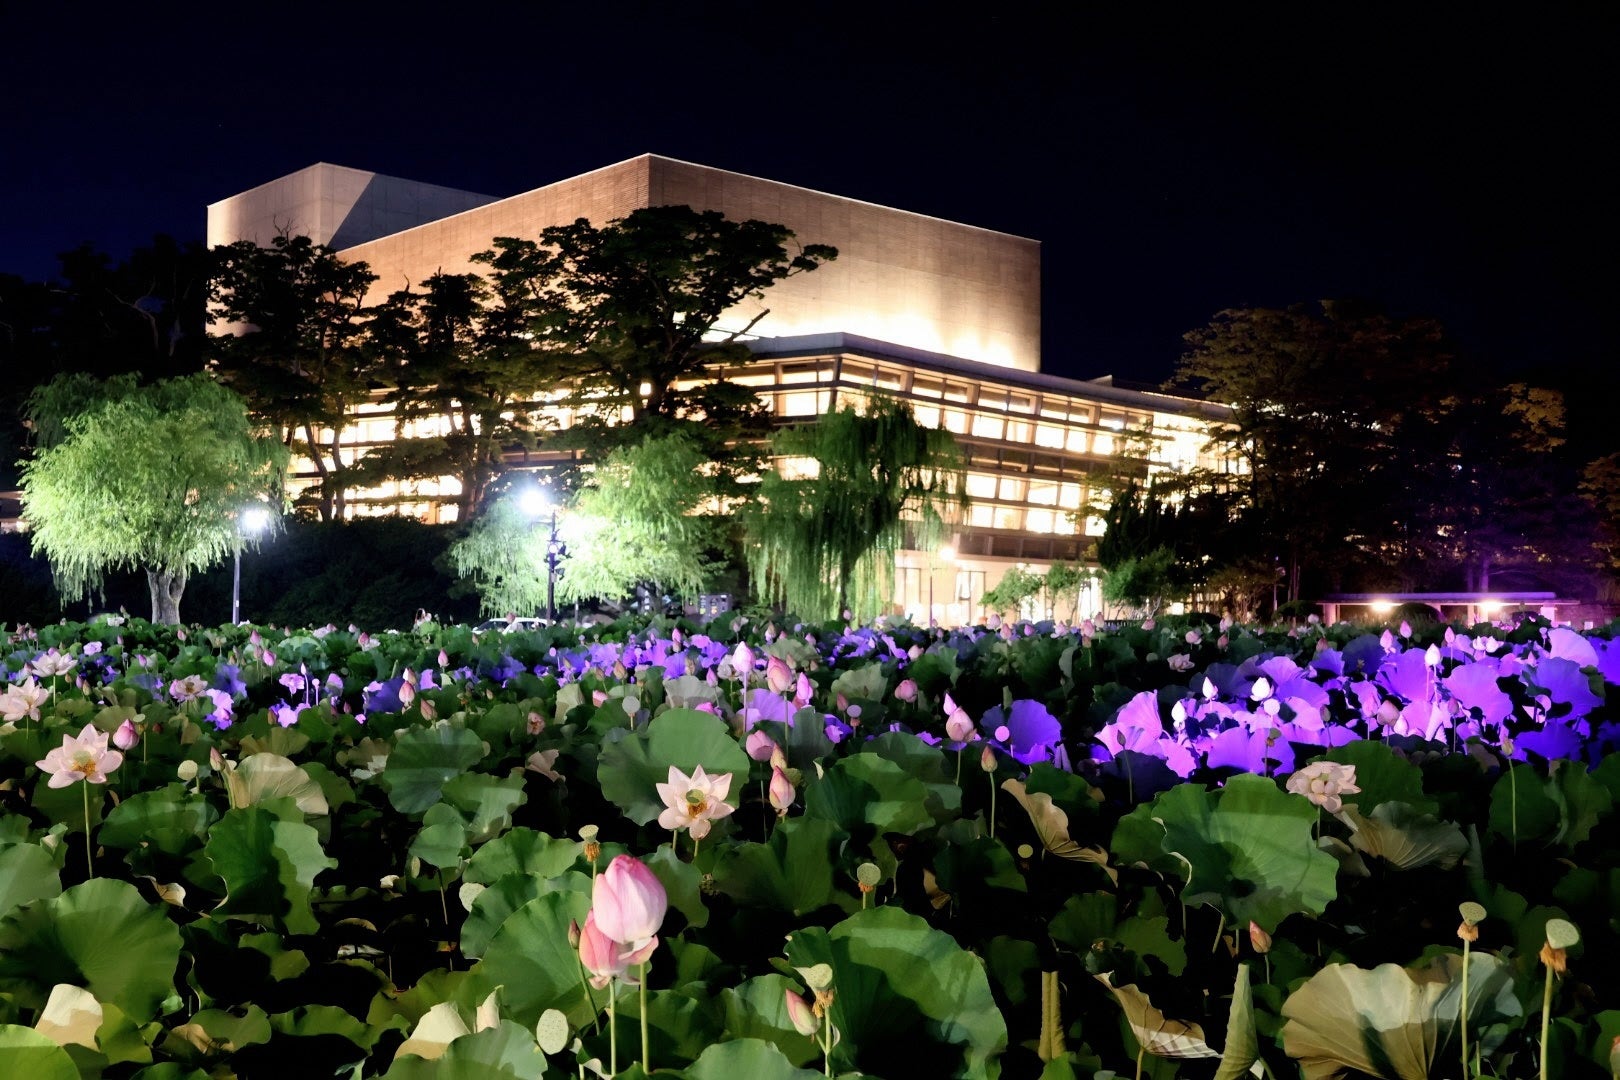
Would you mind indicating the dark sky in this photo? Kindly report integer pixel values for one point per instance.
(1448, 163)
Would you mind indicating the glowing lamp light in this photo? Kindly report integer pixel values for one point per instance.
(533, 503)
(254, 520)
(1382, 607)
(1490, 607)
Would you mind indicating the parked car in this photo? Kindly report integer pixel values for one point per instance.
(515, 624)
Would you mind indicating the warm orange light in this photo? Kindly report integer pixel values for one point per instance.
(1382, 607)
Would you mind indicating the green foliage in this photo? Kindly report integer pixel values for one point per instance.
(1142, 583)
(1016, 586)
(633, 303)
(634, 762)
(149, 477)
(644, 516)
(291, 342)
(823, 530)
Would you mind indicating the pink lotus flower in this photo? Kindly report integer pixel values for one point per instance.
(803, 1018)
(1323, 782)
(759, 745)
(23, 699)
(906, 691)
(629, 902)
(83, 758)
(605, 958)
(694, 802)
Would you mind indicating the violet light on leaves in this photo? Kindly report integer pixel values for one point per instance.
(82, 757)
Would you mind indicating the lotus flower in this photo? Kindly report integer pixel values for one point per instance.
(694, 802)
(603, 957)
(781, 791)
(83, 758)
(23, 699)
(778, 676)
(629, 903)
(1323, 782)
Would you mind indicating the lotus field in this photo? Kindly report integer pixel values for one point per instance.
(742, 851)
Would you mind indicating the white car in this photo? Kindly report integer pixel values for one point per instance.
(516, 624)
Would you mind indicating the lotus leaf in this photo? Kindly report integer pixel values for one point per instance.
(269, 867)
(634, 762)
(423, 759)
(1404, 838)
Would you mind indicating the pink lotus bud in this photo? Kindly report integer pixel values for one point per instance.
(742, 659)
(759, 745)
(987, 759)
(1431, 656)
(407, 694)
(573, 933)
(444, 660)
(781, 791)
(126, 736)
(1148, 624)
(804, 1020)
(1388, 712)
(269, 659)
(428, 711)
(599, 698)
(1259, 938)
(216, 759)
(778, 676)
(959, 728)
(906, 691)
(1406, 629)
(803, 691)
(628, 901)
(600, 954)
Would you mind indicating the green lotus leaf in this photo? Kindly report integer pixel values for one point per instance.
(275, 740)
(753, 1058)
(170, 819)
(492, 907)
(264, 777)
(928, 764)
(504, 1052)
(680, 1025)
(25, 1052)
(633, 762)
(314, 1021)
(790, 873)
(1391, 1021)
(27, 873)
(1382, 777)
(1521, 808)
(269, 866)
(756, 1009)
(1249, 850)
(442, 838)
(169, 1070)
(522, 851)
(530, 957)
(910, 1001)
(423, 759)
(866, 683)
(1242, 1040)
(865, 789)
(1582, 802)
(99, 935)
(1404, 838)
(682, 883)
(487, 802)
(214, 1031)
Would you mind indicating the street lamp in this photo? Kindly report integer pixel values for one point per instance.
(535, 505)
(250, 522)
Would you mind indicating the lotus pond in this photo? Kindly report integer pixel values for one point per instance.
(773, 852)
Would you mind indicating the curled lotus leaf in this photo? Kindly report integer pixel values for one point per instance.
(1158, 1034)
(1403, 837)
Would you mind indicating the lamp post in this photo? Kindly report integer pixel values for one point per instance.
(250, 522)
(536, 505)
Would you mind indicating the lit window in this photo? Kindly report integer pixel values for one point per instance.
(1049, 436)
(988, 427)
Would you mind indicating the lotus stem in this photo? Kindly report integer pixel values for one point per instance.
(590, 995)
(1513, 802)
(1141, 1050)
(89, 849)
(826, 1047)
(992, 804)
(646, 1055)
(1464, 1011)
(1546, 1016)
(613, 1029)
(1220, 927)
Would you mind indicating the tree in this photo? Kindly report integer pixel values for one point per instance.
(295, 347)
(143, 477)
(1141, 581)
(827, 522)
(644, 516)
(454, 355)
(1016, 586)
(637, 302)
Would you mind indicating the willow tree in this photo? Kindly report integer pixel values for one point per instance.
(142, 477)
(850, 491)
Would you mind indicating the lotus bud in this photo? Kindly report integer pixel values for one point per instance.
(759, 746)
(444, 659)
(1193, 637)
(573, 934)
(537, 723)
(599, 698)
(1148, 623)
(804, 1021)
(1406, 629)
(959, 727)
(1261, 689)
(778, 676)
(1431, 656)
(987, 759)
(216, 759)
(628, 901)
(1259, 938)
(906, 691)
(1388, 712)
(742, 659)
(778, 759)
(126, 736)
(803, 691)
(428, 710)
(781, 792)
(915, 652)
(1209, 689)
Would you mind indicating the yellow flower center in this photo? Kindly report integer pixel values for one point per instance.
(697, 803)
(83, 762)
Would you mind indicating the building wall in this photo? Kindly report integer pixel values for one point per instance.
(904, 278)
(333, 205)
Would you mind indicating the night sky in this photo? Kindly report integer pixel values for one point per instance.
(1171, 166)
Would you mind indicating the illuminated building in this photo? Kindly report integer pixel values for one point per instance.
(942, 314)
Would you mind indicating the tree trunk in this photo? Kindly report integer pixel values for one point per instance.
(166, 587)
